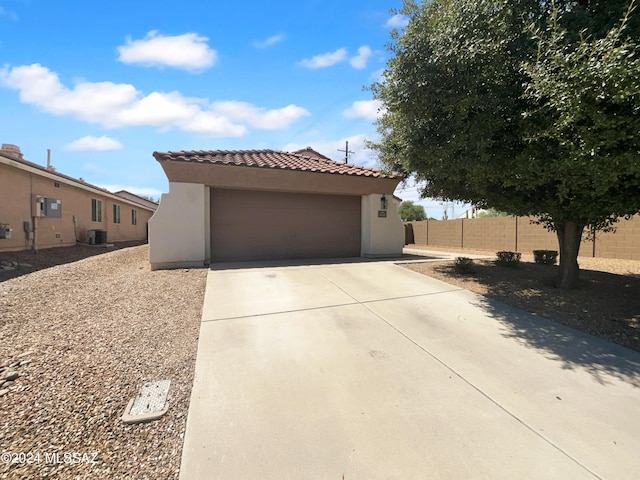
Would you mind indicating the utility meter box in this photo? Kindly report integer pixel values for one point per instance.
(47, 207)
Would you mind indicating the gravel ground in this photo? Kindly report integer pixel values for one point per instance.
(606, 304)
(83, 337)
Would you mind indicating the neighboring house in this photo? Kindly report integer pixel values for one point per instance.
(137, 199)
(41, 208)
(265, 204)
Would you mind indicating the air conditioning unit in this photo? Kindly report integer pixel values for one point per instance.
(97, 237)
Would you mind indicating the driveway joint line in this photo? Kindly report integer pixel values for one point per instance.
(308, 309)
(452, 370)
(430, 294)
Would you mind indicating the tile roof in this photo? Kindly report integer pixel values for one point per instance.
(271, 159)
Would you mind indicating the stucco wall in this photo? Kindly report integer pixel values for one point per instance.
(381, 236)
(19, 186)
(179, 230)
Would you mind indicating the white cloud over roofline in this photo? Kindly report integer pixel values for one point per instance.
(369, 109)
(188, 51)
(334, 149)
(91, 143)
(120, 105)
(257, 117)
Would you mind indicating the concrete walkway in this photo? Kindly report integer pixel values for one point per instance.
(367, 370)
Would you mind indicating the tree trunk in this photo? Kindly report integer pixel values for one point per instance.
(569, 237)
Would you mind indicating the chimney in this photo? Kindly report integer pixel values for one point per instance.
(11, 150)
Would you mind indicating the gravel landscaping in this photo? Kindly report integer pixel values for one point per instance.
(77, 341)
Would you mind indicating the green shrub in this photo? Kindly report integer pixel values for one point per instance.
(508, 259)
(545, 257)
(463, 265)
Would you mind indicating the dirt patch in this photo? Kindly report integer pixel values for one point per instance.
(606, 304)
(23, 262)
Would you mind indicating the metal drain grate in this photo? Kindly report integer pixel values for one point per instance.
(150, 404)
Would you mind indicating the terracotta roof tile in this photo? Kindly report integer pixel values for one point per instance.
(271, 159)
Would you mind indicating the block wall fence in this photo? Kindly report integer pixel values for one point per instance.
(520, 234)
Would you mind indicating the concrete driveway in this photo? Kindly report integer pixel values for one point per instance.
(370, 371)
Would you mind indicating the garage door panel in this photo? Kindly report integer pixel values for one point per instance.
(250, 225)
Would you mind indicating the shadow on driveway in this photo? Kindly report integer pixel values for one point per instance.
(569, 346)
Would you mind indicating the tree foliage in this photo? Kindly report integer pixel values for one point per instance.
(492, 212)
(529, 106)
(410, 212)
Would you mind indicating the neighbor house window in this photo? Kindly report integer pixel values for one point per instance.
(96, 210)
(116, 214)
(134, 216)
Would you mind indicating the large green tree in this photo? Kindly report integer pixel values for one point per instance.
(410, 212)
(529, 106)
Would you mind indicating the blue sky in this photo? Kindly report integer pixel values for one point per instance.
(105, 84)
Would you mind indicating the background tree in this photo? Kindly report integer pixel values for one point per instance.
(410, 212)
(492, 212)
(499, 103)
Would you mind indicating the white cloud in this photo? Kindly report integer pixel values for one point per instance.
(272, 40)
(369, 109)
(360, 61)
(119, 105)
(274, 119)
(188, 51)
(90, 143)
(325, 59)
(397, 21)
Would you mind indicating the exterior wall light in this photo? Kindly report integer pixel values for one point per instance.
(383, 202)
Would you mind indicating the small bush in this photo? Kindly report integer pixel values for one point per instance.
(463, 265)
(545, 257)
(508, 259)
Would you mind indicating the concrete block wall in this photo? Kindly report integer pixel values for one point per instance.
(531, 236)
(445, 233)
(623, 243)
(420, 232)
(522, 235)
(490, 233)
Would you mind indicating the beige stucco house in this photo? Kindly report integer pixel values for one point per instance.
(41, 208)
(265, 204)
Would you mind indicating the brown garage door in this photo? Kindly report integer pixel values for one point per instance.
(250, 225)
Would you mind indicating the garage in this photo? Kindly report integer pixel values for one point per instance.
(255, 225)
(246, 205)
